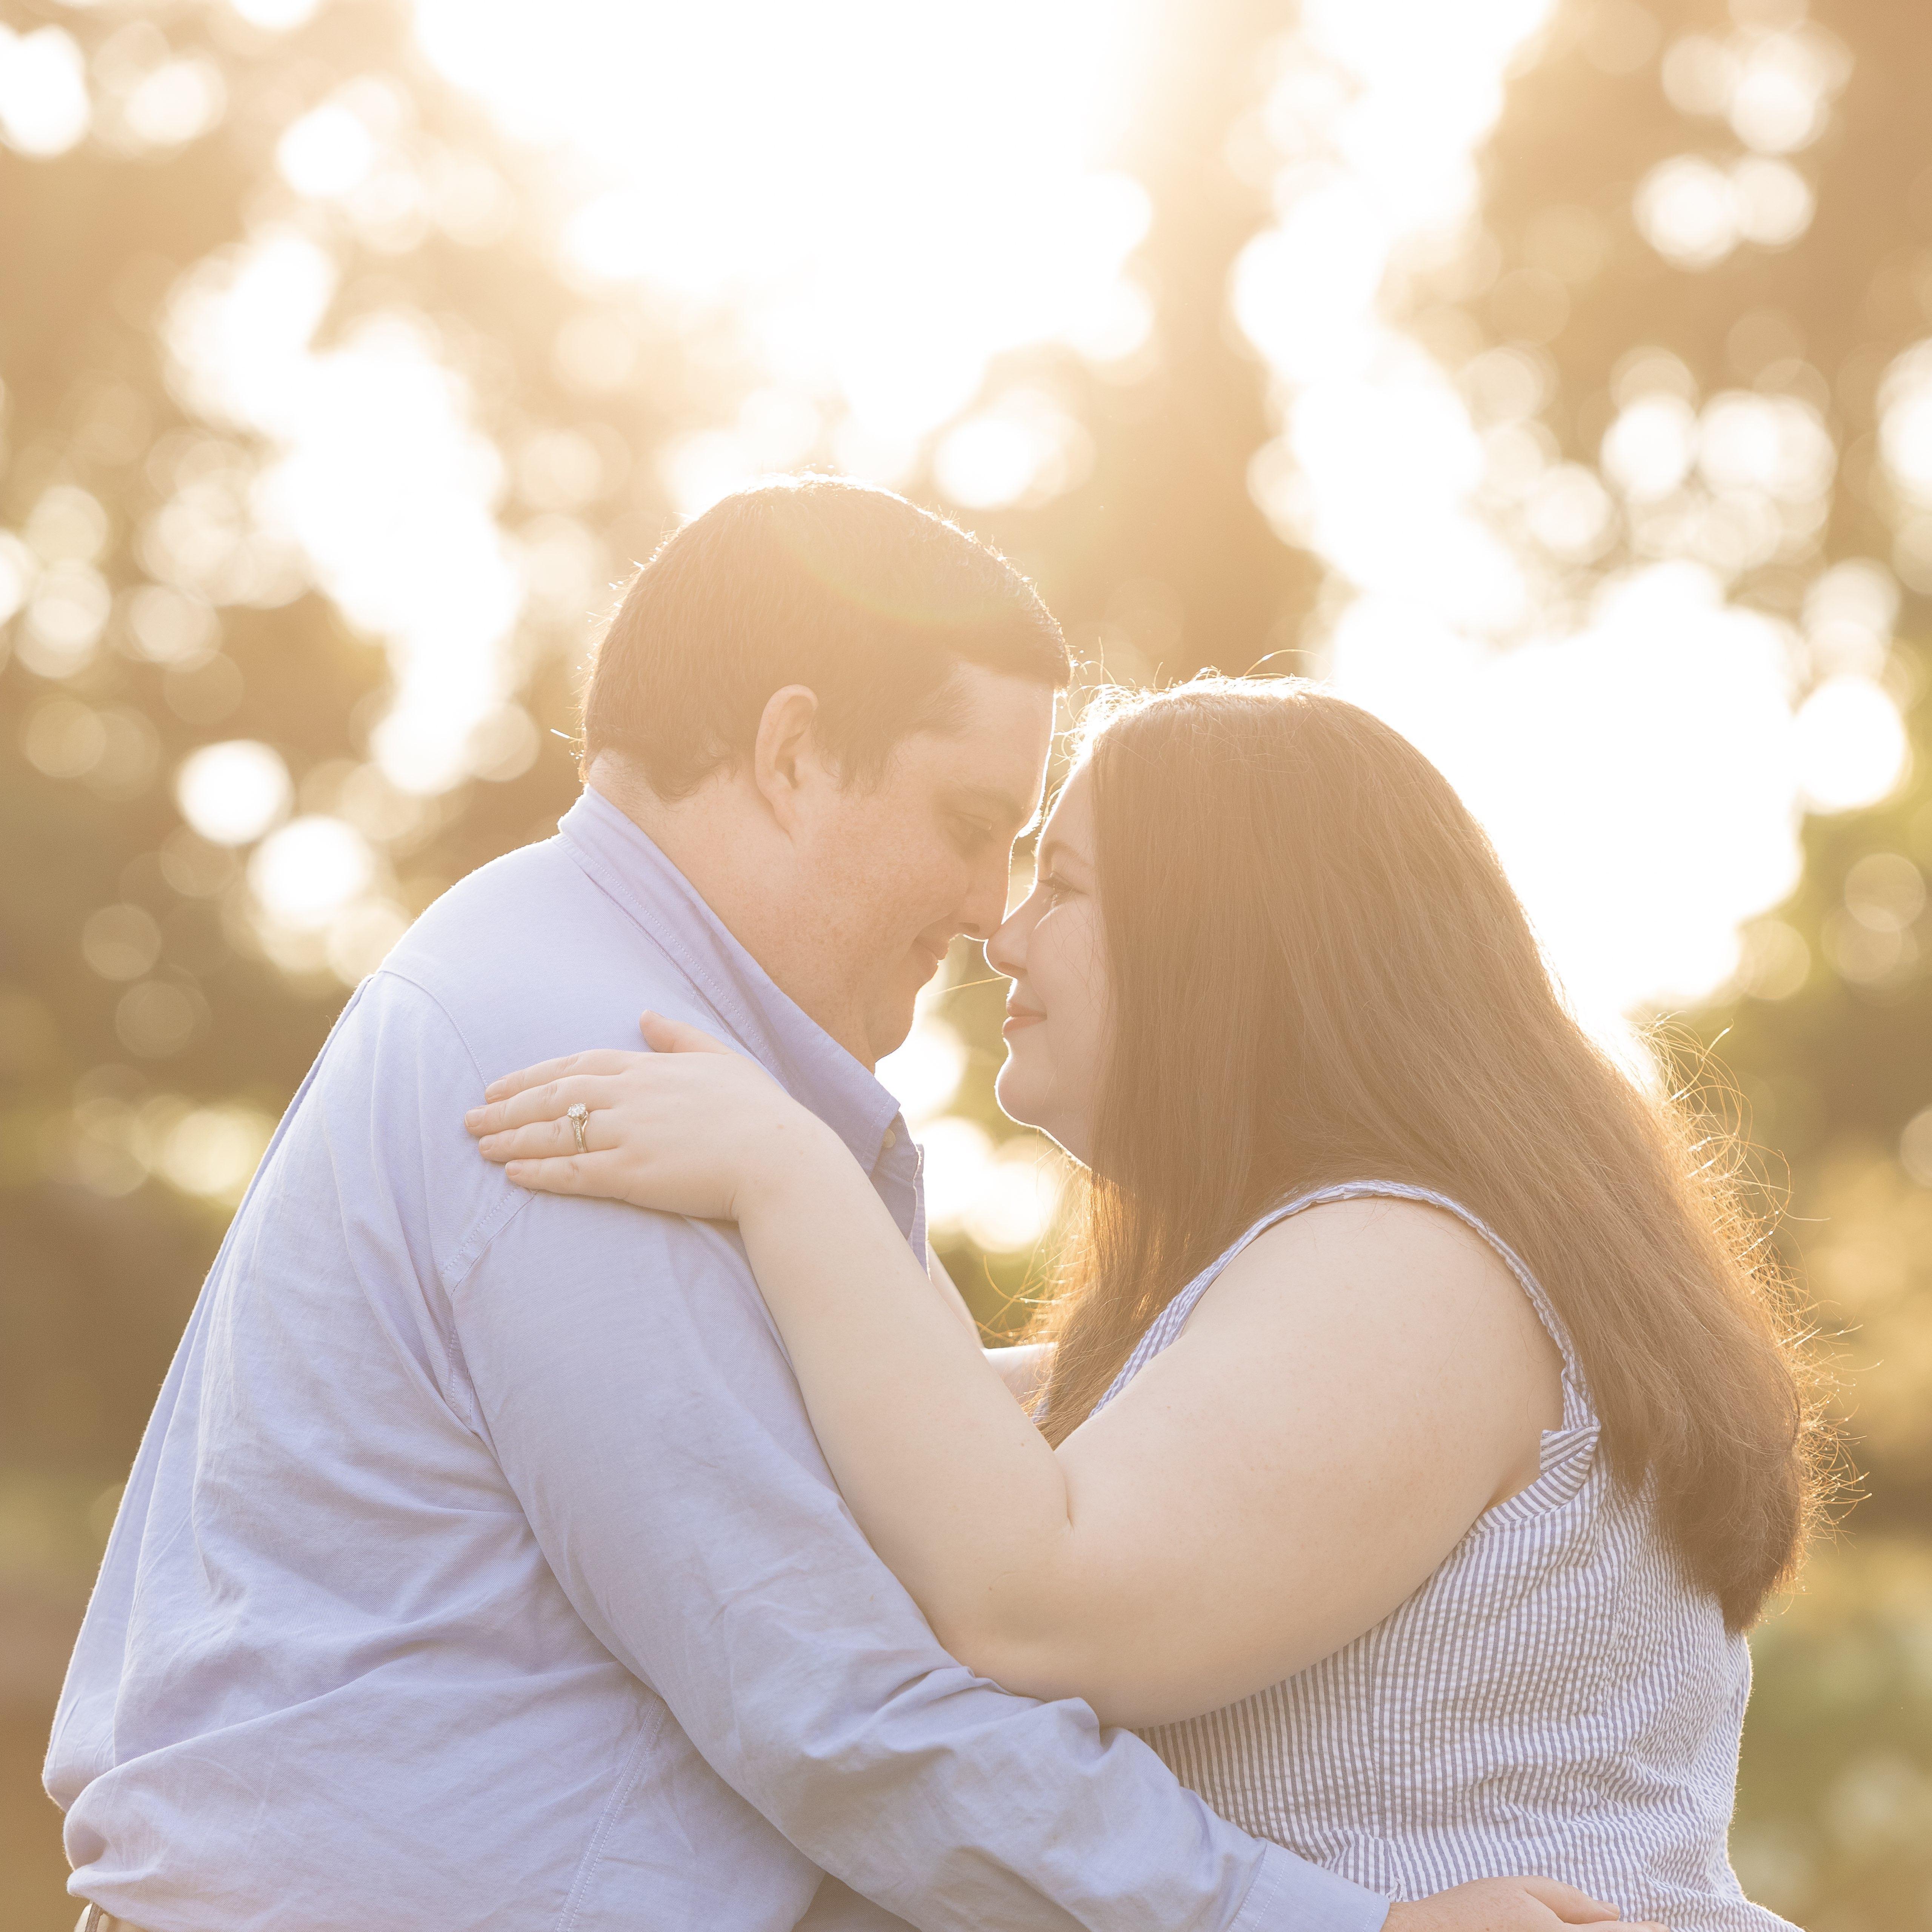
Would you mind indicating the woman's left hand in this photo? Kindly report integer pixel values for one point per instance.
(689, 1128)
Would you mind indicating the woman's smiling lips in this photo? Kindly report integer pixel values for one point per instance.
(1019, 1018)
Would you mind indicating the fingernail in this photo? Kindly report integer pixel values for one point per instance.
(475, 1114)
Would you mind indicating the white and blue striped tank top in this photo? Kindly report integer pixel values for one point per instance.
(1556, 1700)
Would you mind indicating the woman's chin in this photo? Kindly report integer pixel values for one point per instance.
(1024, 1088)
(1010, 1088)
(1027, 1107)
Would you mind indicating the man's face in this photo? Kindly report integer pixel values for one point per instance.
(895, 871)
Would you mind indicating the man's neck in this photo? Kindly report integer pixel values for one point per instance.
(727, 858)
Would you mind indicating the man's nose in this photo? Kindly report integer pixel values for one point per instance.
(985, 907)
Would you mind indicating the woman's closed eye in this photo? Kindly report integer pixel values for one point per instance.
(1053, 888)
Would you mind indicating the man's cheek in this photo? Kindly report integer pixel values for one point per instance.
(930, 891)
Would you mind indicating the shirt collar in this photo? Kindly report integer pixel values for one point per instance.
(621, 858)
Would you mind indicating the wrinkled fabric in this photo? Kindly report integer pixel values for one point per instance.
(479, 1568)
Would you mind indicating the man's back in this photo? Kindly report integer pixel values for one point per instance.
(480, 1567)
(331, 1601)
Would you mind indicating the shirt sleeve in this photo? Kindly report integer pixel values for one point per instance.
(639, 1403)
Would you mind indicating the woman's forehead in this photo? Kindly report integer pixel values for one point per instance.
(1069, 821)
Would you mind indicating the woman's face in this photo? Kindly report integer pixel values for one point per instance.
(1054, 950)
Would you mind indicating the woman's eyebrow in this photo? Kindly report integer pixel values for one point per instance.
(1053, 853)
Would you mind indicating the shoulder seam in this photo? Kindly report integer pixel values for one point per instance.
(452, 1273)
(386, 971)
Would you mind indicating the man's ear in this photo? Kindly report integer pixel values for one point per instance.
(785, 756)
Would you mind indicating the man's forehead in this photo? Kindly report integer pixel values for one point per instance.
(998, 752)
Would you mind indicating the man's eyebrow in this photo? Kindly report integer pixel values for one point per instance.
(1002, 803)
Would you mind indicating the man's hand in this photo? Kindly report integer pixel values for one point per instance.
(1507, 1905)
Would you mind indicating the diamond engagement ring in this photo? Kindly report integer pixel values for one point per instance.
(579, 1118)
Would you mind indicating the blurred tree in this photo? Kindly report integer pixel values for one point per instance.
(163, 612)
(1828, 1028)
(155, 1014)
(1797, 281)
(152, 1020)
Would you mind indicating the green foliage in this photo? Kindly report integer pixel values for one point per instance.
(1835, 1794)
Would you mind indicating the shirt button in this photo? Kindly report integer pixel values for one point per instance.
(891, 1141)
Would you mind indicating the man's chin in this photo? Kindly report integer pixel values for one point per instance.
(891, 1029)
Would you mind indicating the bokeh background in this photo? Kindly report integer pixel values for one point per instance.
(1555, 375)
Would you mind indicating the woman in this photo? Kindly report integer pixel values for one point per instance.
(1414, 1436)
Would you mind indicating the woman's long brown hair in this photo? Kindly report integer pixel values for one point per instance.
(1319, 973)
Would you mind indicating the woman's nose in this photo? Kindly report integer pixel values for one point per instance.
(1006, 951)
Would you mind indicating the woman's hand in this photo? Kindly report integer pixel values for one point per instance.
(1509, 1905)
(688, 1128)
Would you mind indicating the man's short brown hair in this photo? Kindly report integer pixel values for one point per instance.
(867, 600)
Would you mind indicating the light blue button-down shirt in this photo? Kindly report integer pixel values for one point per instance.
(479, 1568)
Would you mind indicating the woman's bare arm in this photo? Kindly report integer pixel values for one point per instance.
(1358, 1386)
(1022, 1366)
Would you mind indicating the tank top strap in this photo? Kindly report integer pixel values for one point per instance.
(1166, 1326)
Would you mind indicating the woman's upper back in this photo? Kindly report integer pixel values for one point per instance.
(1556, 1697)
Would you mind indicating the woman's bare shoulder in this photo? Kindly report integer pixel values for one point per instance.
(1377, 1227)
(1403, 1302)
(1419, 1260)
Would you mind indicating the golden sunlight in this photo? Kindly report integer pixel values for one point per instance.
(763, 188)
(864, 219)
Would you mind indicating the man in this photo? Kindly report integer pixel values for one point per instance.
(479, 1568)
